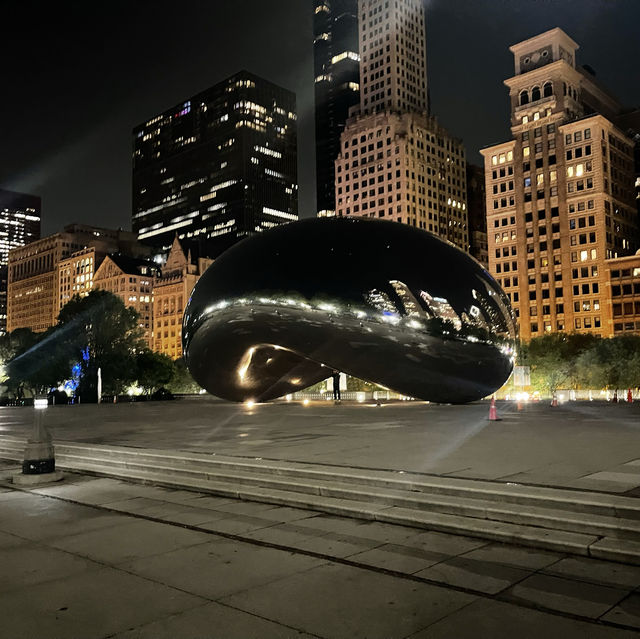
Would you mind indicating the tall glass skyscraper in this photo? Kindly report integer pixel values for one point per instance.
(217, 167)
(19, 225)
(337, 78)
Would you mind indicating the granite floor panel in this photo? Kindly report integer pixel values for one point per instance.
(213, 621)
(567, 595)
(342, 601)
(131, 539)
(90, 605)
(627, 612)
(221, 567)
(488, 619)
(475, 574)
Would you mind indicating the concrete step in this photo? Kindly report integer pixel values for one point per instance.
(531, 496)
(621, 550)
(544, 518)
(580, 501)
(552, 516)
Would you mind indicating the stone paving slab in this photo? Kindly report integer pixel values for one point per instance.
(339, 601)
(32, 563)
(92, 604)
(225, 622)
(404, 559)
(605, 573)
(626, 612)
(514, 556)
(221, 567)
(128, 540)
(488, 619)
(567, 595)
(328, 576)
(475, 574)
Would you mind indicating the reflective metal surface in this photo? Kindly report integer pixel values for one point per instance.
(381, 301)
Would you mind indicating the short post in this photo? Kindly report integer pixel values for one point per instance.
(39, 464)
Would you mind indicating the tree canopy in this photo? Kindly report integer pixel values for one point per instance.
(99, 331)
(574, 361)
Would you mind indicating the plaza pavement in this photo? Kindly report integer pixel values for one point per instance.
(585, 445)
(96, 557)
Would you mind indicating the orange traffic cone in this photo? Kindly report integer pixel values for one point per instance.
(629, 396)
(554, 401)
(519, 405)
(493, 413)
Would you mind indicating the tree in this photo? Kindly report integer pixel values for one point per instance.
(100, 332)
(611, 363)
(15, 343)
(553, 359)
(154, 370)
(39, 367)
(182, 381)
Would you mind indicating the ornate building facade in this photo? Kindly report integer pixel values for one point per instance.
(132, 280)
(171, 293)
(560, 194)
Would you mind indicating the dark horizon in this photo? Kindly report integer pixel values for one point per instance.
(74, 93)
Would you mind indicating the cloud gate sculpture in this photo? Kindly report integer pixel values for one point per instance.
(378, 300)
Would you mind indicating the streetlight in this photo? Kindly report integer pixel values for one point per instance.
(39, 464)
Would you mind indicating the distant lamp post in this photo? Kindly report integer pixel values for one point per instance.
(39, 465)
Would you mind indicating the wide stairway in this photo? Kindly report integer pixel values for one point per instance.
(572, 521)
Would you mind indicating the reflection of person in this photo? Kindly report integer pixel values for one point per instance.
(336, 384)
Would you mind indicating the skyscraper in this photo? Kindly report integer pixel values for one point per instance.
(393, 68)
(560, 193)
(19, 225)
(218, 166)
(337, 83)
(396, 162)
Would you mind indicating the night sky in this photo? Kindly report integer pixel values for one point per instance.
(76, 77)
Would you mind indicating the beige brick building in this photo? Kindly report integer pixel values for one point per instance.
(396, 162)
(171, 293)
(45, 274)
(32, 291)
(131, 279)
(560, 196)
(623, 291)
(75, 273)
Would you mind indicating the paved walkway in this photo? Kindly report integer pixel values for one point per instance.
(588, 445)
(92, 558)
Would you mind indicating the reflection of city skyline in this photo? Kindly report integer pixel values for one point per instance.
(428, 306)
(441, 309)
